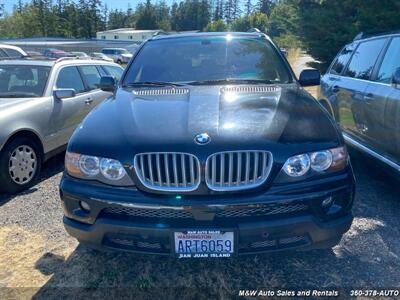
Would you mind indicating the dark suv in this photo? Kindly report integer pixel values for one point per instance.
(361, 89)
(209, 148)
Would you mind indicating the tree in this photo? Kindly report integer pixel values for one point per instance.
(265, 6)
(219, 10)
(283, 25)
(146, 16)
(216, 26)
(248, 7)
(325, 26)
(255, 20)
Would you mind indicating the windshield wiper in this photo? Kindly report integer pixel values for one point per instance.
(152, 83)
(230, 81)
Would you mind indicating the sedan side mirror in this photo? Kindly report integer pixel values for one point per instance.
(64, 93)
(396, 79)
(107, 84)
(310, 77)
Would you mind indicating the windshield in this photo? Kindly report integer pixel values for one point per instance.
(18, 81)
(206, 59)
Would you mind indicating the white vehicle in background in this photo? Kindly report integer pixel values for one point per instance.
(119, 55)
(101, 56)
(80, 54)
(11, 51)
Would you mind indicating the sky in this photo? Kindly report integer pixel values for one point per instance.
(112, 4)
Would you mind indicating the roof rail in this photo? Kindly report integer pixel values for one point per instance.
(78, 58)
(372, 33)
(254, 30)
(161, 32)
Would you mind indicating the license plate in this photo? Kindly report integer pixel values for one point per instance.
(204, 243)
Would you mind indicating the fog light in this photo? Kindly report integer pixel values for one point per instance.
(85, 206)
(327, 202)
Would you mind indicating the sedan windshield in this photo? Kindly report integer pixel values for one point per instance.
(21, 81)
(208, 60)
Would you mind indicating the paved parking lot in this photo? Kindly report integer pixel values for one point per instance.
(37, 257)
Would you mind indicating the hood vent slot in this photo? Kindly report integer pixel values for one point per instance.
(160, 92)
(251, 89)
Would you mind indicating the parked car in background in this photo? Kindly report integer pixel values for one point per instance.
(119, 55)
(361, 90)
(133, 48)
(34, 53)
(79, 54)
(41, 104)
(56, 53)
(209, 147)
(11, 51)
(101, 56)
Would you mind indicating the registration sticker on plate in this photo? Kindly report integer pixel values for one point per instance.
(204, 243)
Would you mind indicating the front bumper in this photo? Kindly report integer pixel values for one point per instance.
(285, 217)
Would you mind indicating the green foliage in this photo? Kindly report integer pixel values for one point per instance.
(146, 16)
(321, 27)
(191, 15)
(283, 24)
(254, 20)
(216, 26)
(43, 18)
(325, 26)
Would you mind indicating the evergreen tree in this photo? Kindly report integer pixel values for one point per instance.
(248, 7)
(146, 16)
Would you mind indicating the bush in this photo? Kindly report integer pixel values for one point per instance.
(216, 26)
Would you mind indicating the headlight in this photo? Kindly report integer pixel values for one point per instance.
(89, 165)
(112, 169)
(297, 165)
(105, 170)
(320, 161)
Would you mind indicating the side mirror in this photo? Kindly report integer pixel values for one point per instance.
(64, 93)
(396, 79)
(107, 84)
(310, 77)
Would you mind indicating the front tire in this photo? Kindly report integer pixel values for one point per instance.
(20, 164)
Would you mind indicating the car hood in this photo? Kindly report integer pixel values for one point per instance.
(284, 119)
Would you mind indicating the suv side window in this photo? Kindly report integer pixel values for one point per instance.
(12, 52)
(91, 76)
(364, 58)
(2, 53)
(114, 71)
(70, 78)
(391, 62)
(342, 59)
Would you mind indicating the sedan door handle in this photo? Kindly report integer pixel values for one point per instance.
(89, 101)
(369, 97)
(335, 89)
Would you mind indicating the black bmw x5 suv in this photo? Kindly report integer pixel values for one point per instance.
(209, 147)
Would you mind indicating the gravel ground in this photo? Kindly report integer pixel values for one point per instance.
(38, 259)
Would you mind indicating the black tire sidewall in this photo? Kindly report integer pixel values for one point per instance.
(7, 184)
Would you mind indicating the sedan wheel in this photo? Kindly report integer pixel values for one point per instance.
(22, 164)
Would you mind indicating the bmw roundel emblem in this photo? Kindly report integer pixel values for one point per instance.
(202, 139)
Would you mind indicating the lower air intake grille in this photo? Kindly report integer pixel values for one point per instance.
(237, 170)
(267, 210)
(168, 171)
